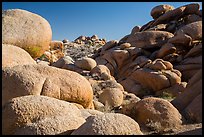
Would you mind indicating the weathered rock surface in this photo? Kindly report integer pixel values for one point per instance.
(40, 115)
(112, 97)
(149, 39)
(85, 63)
(157, 114)
(109, 124)
(13, 56)
(45, 80)
(26, 30)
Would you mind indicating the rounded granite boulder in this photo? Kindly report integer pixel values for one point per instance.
(27, 30)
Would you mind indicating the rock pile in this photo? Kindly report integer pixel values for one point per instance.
(95, 87)
(81, 47)
(164, 52)
(93, 40)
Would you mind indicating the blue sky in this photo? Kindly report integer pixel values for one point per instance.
(109, 20)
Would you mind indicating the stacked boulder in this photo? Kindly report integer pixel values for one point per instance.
(55, 52)
(81, 47)
(161, 54)
(157, 58)
(93, 40)
(77, 95)
(42, 99)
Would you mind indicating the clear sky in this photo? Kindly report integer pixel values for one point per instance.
(109, 20)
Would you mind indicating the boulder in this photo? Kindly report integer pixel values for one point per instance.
(99, 69)
(154, 79)
(129, 100)
(109, 124)
(176, 13)
(149, 39)
(62, 61)
(85, 63)
(160, 10)
(26, 30)
(102, 72)
(40, 115)
(172, 91)
(125, 45)
(157, 114)
(13, 56)
(194, 30)
(180, 39)
(48, 81)
(112, 97)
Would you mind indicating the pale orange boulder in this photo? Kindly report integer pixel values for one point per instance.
(48, 81)
(112, 97)
(40, 115)
(101, 71)
(63, 61)
(157, 114)
(85, 63)
(155, 80)
(27, 30)
(13, 55)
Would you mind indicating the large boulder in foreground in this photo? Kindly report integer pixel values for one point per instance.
(48, 81)
(157, 114)
(13, 55)
(108, 124)
(40, 115)
(26, 30)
